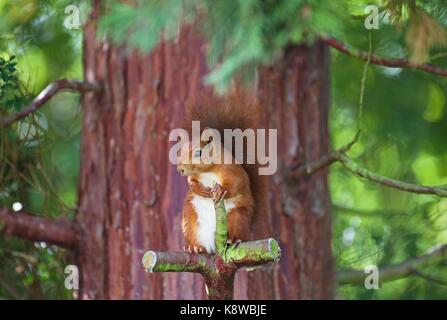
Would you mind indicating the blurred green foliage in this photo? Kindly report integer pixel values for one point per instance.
(39, 156)
(404, 129)
(11, 96)
(404, 122)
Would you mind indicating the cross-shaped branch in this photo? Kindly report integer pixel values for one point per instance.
(218, 269)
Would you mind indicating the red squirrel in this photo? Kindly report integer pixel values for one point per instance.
(240, 185)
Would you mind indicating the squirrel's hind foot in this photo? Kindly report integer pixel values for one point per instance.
(194, 249)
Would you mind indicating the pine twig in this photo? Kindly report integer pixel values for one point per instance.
(47, 93)
(382, 61)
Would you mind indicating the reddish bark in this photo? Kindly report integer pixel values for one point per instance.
(295, 93)
(130, 194)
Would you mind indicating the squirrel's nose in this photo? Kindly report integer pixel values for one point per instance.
(180, 170)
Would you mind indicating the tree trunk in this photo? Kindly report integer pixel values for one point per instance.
(130, 196)
(295, 93)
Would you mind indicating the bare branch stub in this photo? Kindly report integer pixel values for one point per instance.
(57, 231)
(219, 269)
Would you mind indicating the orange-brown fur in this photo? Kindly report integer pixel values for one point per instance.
(239, 182)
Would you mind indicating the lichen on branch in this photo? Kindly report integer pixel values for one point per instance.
(218, 269)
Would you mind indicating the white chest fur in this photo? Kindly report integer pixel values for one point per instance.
(206, 221)
(206, 218)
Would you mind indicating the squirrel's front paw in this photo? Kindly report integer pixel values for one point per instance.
(196, 187)
(218, 193)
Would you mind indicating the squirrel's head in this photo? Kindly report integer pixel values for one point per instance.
(195, 159)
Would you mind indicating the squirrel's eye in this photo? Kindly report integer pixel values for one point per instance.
(198, 153)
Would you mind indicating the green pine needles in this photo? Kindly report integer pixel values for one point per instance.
(241, 34)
